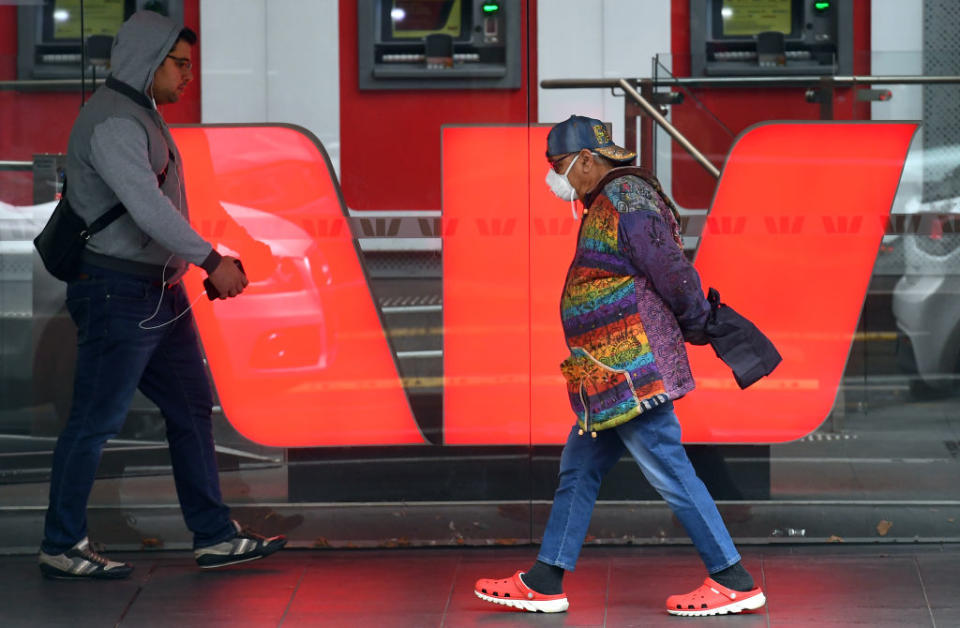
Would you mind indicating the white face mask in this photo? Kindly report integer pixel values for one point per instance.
(560, 185)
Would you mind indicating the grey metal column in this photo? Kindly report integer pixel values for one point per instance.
(941, 103)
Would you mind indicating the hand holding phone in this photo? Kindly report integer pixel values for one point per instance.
(212, 292)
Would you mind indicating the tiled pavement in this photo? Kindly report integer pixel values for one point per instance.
(806, 585)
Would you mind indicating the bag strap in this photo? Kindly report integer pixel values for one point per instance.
(713, 297)
(122, 88)
(104, 220)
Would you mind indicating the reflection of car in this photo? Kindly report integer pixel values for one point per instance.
(926, 300)
(28, 315)
(279, 326)
(926, 304)
(933, 173)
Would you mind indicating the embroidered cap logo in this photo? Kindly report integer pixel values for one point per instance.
(600, 131)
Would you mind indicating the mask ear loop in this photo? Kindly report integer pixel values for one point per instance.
(573, 192)
(573, 196)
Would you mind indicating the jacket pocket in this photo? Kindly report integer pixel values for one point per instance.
(605, 393)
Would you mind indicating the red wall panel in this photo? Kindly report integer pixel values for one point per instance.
(390, 139)
(8, 42)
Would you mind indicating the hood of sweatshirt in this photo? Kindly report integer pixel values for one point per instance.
(141, 45)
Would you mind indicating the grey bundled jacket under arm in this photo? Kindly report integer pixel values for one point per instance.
(118, 147)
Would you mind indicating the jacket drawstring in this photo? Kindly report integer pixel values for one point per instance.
(586, 415)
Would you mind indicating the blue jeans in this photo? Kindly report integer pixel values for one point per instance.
(653, 439)
(115, 357)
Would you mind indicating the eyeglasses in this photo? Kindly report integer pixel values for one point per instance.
(183, 63)
(555, 163)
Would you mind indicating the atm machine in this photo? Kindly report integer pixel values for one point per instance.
(439, 44)
(771, 37)
(48, 32)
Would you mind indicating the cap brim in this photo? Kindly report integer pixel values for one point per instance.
(615, 153)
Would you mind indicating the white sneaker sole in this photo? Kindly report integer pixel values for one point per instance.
(232, 562)
(749, 604)
(544, 606)
(239, 559)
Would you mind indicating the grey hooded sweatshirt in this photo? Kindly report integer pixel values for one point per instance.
(118, 147)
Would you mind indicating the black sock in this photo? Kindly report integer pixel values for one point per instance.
(544, 578)
(734, 577)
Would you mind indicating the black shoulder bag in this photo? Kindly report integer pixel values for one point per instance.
(738, 342)
(63, 238)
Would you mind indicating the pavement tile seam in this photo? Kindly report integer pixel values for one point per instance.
(606, 592)
(453, 586)
(293, 594)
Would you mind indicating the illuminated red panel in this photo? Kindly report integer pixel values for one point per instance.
(552, 245)
(486, 287)
(503, 343)
(790, 242)
(301, 358)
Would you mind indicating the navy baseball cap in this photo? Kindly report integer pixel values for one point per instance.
(577, 132)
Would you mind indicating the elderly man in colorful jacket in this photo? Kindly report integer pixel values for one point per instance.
(630, 300)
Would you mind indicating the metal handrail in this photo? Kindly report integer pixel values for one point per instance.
(670, 129)
(46, 84)
(650, 113)
(751, 81)
(6, 165)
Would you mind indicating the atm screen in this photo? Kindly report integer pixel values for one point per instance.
(101, 17)
(415, 19)
(746, 18)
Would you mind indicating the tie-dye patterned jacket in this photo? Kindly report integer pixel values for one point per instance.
(629, 300)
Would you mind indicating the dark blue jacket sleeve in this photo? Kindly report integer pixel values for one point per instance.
(648, 241)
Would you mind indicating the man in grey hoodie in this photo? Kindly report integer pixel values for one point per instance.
(134, 328)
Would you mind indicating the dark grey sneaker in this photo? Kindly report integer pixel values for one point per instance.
(244, 547)
(80, 561)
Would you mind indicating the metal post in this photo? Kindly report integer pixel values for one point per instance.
(630, 113)
(826, 98)
(647, 158)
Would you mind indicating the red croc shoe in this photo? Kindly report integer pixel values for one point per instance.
(712, 598)
(514, 593)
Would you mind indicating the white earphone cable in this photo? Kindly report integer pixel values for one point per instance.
(163, 288)
(172, 320)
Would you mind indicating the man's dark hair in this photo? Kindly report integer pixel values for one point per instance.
(187, 35)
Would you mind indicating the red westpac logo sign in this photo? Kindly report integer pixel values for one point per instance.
(302, 358)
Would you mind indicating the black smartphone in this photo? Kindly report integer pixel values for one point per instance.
(212, 292)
